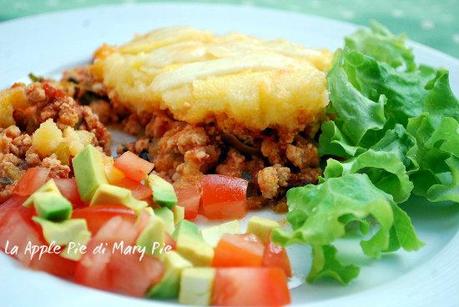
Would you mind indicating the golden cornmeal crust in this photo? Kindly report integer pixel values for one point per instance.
(198, 76)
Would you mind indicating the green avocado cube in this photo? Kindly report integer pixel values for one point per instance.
(179, 214)
(191, 245)
(186, 228)
(49, 186)
(88, 166)
(152, 235)
(169, 285)
(213, 234)
(168, 218)
(107, 194)
(163, 192)
(74, 231)
(52, 206)
(196, 286)
(262, 227)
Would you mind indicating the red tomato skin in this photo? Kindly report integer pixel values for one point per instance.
(18, 229)
(114, 271)
(250, 287)
(244, 250)
(14, 202)
(276, 256)
(32, 179)
(168, 240)
(15, 230)
(55, 265)
(223, 197)
(69, 190)
(97, 216)
(189, 197)
(131, 276)
(139, 190)
(133, 166)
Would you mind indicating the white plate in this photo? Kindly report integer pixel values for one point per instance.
(49, 43)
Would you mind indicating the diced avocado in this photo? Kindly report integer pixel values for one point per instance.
(169, 285)
(262, 227)
(152, 234)
(63, 233)
(49, 186)
(107, 194)
(179, 214)
(52, 206)
(88, 166)
(213, 234)
(191, 245)
(163, 192)
(168, 218)
(196, 286)
(186, 228)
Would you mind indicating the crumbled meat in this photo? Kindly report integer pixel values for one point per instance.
(102, 109)
(57, 169)
(280, 206)
(271, 179)
(47, 100)
(233, 165)
(304, 156)
(270, 149)
(41, 101)
(92, 124)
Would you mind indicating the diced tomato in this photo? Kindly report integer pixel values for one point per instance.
(250, 287)
(276, 256)
(32, 179)
(168, 240)
(69, 190)
(55, 265)
(133, 166)
(113, 174)
(114, 271)
(223, 197)
(11, 203)
(97, 216)
(139, 190)
(14, 205)
(15, 230)
(189, 197)
(18, 229)
(238, 251)
(134, 277)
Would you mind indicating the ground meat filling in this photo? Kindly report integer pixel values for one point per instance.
(271, 163)
(42, 101)
(272, 160)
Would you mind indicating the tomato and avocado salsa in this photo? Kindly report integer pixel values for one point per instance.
(138, 238)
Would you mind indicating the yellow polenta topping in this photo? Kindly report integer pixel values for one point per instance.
(197, 76)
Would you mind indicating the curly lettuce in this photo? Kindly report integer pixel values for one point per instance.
(393, 132)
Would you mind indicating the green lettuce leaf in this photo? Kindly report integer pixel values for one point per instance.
(404, 91)
(381, 44)
(393, 131)
(437, 154)
(320, 214)
(385, 170)
(355, 114)
(440, 101)
(326, 265)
